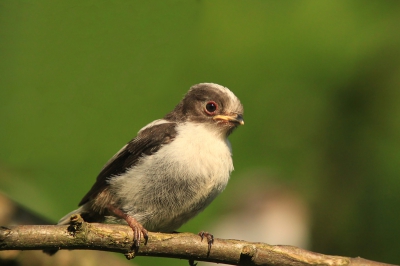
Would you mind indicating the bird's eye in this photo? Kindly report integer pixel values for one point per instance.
(211, 107)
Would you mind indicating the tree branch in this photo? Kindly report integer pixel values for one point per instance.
(118, 238)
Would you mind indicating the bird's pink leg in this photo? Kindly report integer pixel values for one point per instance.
(137, 228)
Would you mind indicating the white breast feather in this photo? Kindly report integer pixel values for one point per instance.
(186, 175)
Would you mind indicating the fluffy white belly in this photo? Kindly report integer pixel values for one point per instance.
(168, 188)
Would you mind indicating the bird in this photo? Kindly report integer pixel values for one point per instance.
(172, 170)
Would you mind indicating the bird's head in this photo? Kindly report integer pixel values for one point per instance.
(212, 104)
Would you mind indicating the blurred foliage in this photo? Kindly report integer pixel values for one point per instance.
(319, 81)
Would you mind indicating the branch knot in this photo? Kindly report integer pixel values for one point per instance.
(75, 224)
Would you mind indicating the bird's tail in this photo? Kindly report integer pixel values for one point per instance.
(66, 219)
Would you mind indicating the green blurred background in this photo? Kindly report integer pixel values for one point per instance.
(319, 81)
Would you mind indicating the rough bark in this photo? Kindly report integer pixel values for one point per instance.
(118, 238)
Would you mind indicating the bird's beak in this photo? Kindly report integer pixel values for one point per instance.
(235, 118)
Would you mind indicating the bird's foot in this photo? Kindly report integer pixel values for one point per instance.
(138, 231)
(137, 228)
(210, 240)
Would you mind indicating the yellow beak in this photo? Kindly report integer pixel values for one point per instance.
(235, 118)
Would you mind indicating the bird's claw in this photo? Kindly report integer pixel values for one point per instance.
(137, 228)
(210, 239)
(138, 231)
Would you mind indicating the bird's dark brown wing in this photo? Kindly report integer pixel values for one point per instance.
(147, 142)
